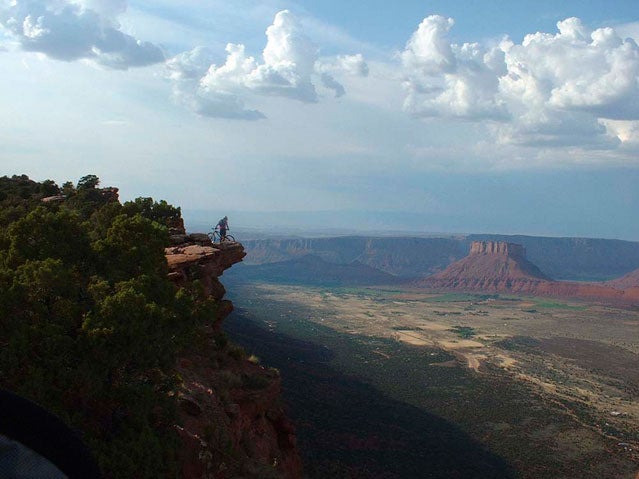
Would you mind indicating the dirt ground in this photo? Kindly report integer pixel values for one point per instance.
(584, 357)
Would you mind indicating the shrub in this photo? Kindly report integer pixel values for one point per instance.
(90, 326)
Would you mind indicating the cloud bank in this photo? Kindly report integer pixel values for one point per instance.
(552, 89)
(290, 68)
(575, 87)
(80, 29)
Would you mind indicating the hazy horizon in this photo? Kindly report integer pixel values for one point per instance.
(255, 224)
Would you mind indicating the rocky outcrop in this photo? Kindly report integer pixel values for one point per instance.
(491, 266)
(498, 248)
(232, 422)
(501, 267)
(206, 263)
(582, 259)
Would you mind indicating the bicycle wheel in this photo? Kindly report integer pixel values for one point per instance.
(212, 236)
(229, 238)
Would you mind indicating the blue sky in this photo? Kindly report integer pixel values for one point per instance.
(491, 116)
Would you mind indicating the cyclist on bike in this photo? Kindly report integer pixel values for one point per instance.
(223, 225)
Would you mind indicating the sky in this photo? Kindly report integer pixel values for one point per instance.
(434, 116)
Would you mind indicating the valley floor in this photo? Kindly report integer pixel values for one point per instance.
(550, 387)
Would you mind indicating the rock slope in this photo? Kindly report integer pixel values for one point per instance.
(501, 267)
(232, 423)
(490, 266)
(630, 280)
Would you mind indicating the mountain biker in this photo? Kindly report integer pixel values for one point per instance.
(223, 225)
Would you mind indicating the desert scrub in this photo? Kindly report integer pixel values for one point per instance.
(464, 332)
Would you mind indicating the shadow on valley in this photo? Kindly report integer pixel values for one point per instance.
(349, 429)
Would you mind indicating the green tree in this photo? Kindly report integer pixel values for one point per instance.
(68, 188)
(90, 326)
(133, 246)
(88, 182)
(44, 233)
(161, 211)
(49, 188)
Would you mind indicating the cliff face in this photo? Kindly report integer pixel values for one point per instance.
(491, 266)
(495, 266)
(574, 258)
(498, 248)
(232, 420)
(401, 256)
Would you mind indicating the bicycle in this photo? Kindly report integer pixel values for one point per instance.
(215, 237)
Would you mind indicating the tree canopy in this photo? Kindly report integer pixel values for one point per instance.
(90, 326)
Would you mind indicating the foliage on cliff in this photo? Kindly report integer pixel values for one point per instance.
(89, 324)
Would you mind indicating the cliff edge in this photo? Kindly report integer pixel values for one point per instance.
(232, 423)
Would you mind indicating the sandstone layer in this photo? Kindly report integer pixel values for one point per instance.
(500, 267)
(232, 422)
(490, 266)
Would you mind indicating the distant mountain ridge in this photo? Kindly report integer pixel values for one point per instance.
(499, 267)
(582, 259)
(313, 270)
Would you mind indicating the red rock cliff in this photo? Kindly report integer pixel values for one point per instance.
(495, 266)
(232, 423)
(490, 266)
(497, 248)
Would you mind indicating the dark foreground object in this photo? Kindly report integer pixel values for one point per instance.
(35, 443)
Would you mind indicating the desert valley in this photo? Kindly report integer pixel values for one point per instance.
(539, 373)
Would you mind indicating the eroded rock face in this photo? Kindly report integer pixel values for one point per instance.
(498, 248)
(490, 266)
(188, 262)
(232, 422)
(495, 266)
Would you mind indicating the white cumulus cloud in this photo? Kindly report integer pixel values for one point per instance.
(290, 67)
(77, 29)
(186, 71)
(552, 89)
(449, 80)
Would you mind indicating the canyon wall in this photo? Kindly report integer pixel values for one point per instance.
(583, 259)
(498, 248)
(232, 422)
